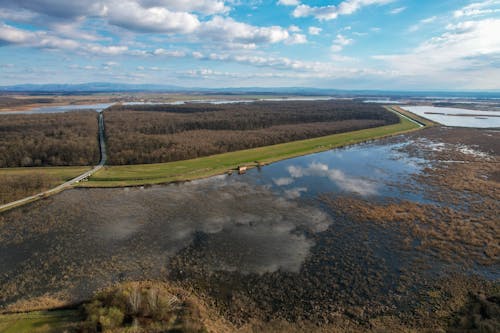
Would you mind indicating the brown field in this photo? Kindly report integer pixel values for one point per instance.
(18, 183)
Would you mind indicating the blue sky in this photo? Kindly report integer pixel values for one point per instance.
(344, 44)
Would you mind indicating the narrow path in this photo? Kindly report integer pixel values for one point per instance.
(69, 183)
(406, 117)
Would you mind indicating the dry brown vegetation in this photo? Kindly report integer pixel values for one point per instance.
(381, 266)
(19, 186)
(149, 307)
(449, 234)
(10, 102)
(18, 183)
(460, 225)
(162, 133)
(49, 139)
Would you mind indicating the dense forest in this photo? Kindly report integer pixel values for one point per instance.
(49, 139)
(163, 133)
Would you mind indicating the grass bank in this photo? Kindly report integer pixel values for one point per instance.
(39, 321)
(62, 174)
(142, 174)
(421, 120)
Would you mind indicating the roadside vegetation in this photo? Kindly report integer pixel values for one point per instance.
(18, 183)
(143, 134)
(64, 139)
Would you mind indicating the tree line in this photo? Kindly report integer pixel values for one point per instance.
(61, 139)
(163, 133)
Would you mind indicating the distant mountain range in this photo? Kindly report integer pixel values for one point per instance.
(121, 87)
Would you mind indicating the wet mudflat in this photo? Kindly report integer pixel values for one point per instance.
(397, 231)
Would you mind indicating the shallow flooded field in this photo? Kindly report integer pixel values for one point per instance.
(456, 117)
(363, 232)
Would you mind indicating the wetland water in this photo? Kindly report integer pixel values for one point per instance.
(102, 106)
(265, 238)
(61, 109)
(458, 117)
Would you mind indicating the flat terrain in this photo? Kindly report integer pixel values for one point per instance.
(18, 183)
(111, 176)
(141, 134)
(314, 244)
(66, 139)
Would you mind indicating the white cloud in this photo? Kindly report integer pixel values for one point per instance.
(288, 2)
(295, 193)
(226, 29)
(208, 7)
(132, 16)
(462, 54)
(283, 181)
(71, 9)
(13, 35)
(421, 23)
(314, 30)
(290, 68)
(397, 10)
(45, 40)
(169, 53)
(197, 55)
(107, 50)
(18, 15)
(40, 39)
(478, 8)
(297, 39)
(60, 8)
(71, 30)
(152, 16)
(347, 183)
(331, 12)
(340, 42)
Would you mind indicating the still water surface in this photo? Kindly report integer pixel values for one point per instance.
(268, 223)
(458, 117)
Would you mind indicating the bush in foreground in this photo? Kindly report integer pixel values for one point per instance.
(142, 307)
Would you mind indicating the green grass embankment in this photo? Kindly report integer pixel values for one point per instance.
(38, 321)
(142, 174)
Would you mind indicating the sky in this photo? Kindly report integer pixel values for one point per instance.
(343, 44)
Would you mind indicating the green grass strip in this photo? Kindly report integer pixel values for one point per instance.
(38, 321)
(143, 174)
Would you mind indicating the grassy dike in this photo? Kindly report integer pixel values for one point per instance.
(142, 174)
(39, 321)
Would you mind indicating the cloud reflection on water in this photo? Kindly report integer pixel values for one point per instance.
(357, 185)
(246, 227)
